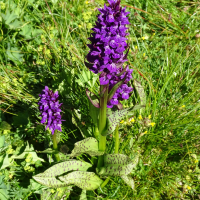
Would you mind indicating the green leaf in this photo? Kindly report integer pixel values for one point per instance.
(140, 90)
(50, 176)
(63, 193)
(6, 162)
(5, 126)
(26, 31)
(117, 165)
(83, 195)
(28, 150)
(88, 145)
(129, 181)
(77, 120)
(93, 98)
(87, 78)
(84, 180)
(14, 54)
(2, 140)
(114, 117)
(4, 194)
(94, 113)
(36, 32)
(11, 19)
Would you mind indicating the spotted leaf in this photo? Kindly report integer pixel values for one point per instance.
(88, 145)
(50, 176)
(84, 180)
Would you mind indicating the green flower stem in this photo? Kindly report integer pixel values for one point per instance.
(55, 145)
(105, 182)
(102, 123)
(116, 140)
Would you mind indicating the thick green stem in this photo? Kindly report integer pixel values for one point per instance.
(102, 123)
(116, 140)
(55, 145)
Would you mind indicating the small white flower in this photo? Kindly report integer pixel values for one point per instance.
(175, 74)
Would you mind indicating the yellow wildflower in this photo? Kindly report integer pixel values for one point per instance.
(122, 122)
(149, 116)
(87, 2)
(140, 117)
(2, 5)
(196, 161)
(47, 52)
(136, 47)
(145, 132)
(183, 106)
(189, 188)
(154, 33)
(40, 48)
(143, 54)
(52, 191)
(10, 176)
(89, 26)
(74, 58)
(143, 38)
(79, 26)
(152, 124)
(132, 120)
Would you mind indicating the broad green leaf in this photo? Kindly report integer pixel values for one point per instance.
(83, 195)
(129, 181)
(4, 194)
(140, 90)
(54, 1)
(6, 162)
(28, 150)
(114, 117)
(84, 180)
(94, 113)
(11, 19)
(36, 32)
(14, 54)
(26, 31)
(88, 145)
(60, 193)
(85, 130)
(5, 126)
(2, 140)
(117, 165)
(50, 176)
(87, 78)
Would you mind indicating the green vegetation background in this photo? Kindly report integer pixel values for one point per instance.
(45, 43)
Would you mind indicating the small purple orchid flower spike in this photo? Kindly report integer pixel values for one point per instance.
(50, 109)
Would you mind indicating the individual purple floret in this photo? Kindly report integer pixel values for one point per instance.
(50, 109)
(107, 49)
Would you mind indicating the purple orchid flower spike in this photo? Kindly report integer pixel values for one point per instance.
(107, 50)
(50, 110)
